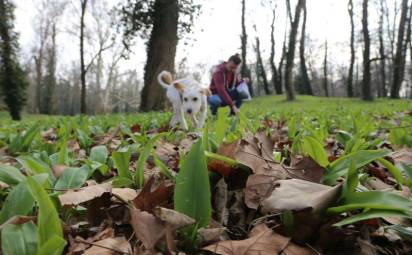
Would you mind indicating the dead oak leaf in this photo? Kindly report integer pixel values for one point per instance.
(258, 187)
(403, 156)
(110, 246)
(295, 194)
(262, 241)
(252, 151)
(173, 218)
(305, 168)
(85, 194)
(148, 229)
(125, 194)
(58, 170)
(148, 199)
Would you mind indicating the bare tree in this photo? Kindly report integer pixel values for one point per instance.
(260, 70)
(352, 50)
(399, 60)
(306, 84)
(83, 71)
(42, 31)
(382, 88)
(366, 82)
(277, 84)
(290, 56)
(245, 72)
(325, 70)
(50, 79)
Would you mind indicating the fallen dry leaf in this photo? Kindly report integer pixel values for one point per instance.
(305, 168)
(254, 152)
(172, 218)
(84, 194)
(218, 166)
(148, 229)
(126, 194)
(3, 185)
(403, 156)
(165, 151)
(262, 241)
(58, 170)
(110, 246)
(258, 188)
(208, 235)
(147, 199)
(73, 145)
(295, 194)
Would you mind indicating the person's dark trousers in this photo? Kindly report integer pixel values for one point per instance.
(215, 101)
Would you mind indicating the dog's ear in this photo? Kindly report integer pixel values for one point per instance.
(178, 86)
(206, 92)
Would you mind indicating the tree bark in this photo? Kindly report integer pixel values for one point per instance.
(161, 52)
(50, 83)
(399, 61)
(366, 82)
(290, 56)
(245, 71)
(83, 108)
(352, 50)
(325, 70)
(261, 68)
(382, 89)
(277, 85)
(306, 84)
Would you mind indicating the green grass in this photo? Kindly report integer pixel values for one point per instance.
(360, 130)
(308, 103)
(278, 104)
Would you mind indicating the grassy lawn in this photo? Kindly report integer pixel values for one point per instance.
(278, 105)
(313, 144)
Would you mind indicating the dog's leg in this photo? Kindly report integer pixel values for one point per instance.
(202, 118)
(174, 120)
(182, 119)
(195, 121)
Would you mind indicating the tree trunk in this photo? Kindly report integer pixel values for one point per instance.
(51, 73)
(258, 80)
(352, 50)
(382, 88)
(83, 108)
(281, 64)
(399, 61)
(161, 52)
(325, 70)
(306, 85)
(275, 75)
(366, 83)
(261, 68)
(245, 72)
(290, 56)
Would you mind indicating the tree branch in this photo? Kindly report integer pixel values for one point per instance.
(97, 54)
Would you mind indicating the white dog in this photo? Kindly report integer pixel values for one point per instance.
(187, 96)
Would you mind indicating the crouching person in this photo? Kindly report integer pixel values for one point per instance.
(227, 88)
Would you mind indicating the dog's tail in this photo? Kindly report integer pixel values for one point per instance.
(165, 79)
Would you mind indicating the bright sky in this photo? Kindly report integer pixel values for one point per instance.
(217, 31)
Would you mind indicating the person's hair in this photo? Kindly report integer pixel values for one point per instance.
(236, 59)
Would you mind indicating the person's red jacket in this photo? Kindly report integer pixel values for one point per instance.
(222, 81)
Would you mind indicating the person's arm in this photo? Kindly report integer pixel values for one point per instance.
(219, 82)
